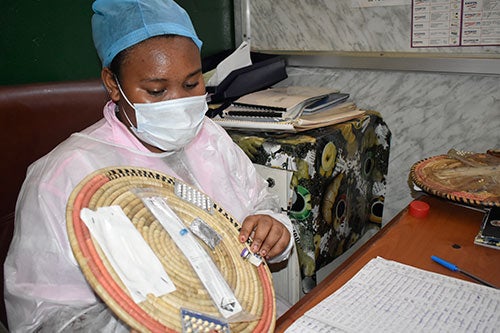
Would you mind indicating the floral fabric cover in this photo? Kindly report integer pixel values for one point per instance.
(339, 181)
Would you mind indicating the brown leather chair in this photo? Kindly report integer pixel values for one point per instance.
(34, 118)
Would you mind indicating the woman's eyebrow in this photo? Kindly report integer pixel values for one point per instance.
(158, 79)
(196, 72)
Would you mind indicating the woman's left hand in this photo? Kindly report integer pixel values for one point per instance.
(269, 236)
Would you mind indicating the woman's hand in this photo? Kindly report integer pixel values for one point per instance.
(269, 236)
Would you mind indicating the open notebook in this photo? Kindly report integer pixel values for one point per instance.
(388, 296)
(288, 109)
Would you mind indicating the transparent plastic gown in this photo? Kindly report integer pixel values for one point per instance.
(44, 288)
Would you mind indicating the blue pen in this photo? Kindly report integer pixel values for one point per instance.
(454, 268)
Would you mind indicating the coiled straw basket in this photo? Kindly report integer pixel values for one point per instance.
(112, 186)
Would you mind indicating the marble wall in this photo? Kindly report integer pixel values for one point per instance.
(325, 25)
(428, 113)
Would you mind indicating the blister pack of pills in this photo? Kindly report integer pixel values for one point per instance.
(193, 196)
(195, 322)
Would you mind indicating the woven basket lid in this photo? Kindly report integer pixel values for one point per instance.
(251, 285)
(472, 179)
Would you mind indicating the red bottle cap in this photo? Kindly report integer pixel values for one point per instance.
(419, 209)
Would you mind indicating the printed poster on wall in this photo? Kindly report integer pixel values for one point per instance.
(455, 23)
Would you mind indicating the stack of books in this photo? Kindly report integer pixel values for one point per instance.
(489, 234)
(289, 109)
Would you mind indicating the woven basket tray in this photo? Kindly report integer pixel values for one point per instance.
(252, 286)
(473, 181)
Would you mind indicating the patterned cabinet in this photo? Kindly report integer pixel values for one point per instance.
(338, 183)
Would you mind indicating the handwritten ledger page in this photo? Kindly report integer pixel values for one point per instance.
(387, 296)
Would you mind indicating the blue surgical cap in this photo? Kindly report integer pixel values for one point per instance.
(119, 24)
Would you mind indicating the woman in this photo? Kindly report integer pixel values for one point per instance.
(155, 119)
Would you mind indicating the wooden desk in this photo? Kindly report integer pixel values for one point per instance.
(447, 232)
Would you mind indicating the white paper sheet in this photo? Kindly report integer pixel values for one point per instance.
(238, 59)
(387, 296)
(128, 253)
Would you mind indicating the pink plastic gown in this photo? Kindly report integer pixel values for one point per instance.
(44, 287)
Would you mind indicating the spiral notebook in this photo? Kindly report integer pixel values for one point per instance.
(288, 109)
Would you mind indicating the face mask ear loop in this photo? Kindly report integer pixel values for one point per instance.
(126, 100)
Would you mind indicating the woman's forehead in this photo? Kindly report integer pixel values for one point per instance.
(164, 54)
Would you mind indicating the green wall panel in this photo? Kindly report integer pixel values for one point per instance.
(214, 23)
(51, 40)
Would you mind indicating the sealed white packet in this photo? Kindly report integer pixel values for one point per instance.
(128, 253)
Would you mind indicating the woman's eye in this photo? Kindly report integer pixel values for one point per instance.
(192, 85)
(156, 93)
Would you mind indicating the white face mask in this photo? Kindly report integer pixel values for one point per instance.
(169, 125)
